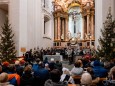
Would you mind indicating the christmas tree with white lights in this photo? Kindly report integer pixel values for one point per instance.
(7, 45)
(107, 40)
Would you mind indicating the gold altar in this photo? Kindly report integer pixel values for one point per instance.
(61, 14)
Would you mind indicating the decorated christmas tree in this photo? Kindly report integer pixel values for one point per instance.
(107, 40)
(7, 45)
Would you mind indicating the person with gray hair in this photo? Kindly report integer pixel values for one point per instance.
(4, 80)
(86, 79)
(111, 78)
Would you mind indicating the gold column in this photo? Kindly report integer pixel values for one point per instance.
(83, 33)
(92, 24)
(88, 28)
(55, 33)
(58, 33)
(63, 29)
(66, 29)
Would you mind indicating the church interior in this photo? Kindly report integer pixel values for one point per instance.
(73, 36)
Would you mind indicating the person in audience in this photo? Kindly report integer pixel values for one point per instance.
(0, 69)
(52, 64)
(111, 78)
(4, 80)
(13, 77)
(22, 63)
(69, 52)
(35, 69)
(81, 63)
(19, 69)
(58, 65)
(43, 74)
(98, 70)
(5, 66)
(45, 61)
(85, 62)
(66, 77)
(107, 65)
(77, 69)
(86, 79)
(54, 80)
(47, 67)
(27, 79)
(111, 74)
(95, 80)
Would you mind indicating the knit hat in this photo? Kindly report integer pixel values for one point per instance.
(5, 63)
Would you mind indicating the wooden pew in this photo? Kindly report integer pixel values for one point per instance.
(102, 79)
(76, 79)
(72, 85)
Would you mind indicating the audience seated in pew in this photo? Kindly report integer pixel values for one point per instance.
(96, 72)
(111, 78)
(54, 80)
(66, 77)
(77, 69)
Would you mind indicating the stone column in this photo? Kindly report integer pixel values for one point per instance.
(92, 25)
(88, 28)
(58, 33)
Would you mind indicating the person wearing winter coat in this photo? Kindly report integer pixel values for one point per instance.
(27, 79)
(4, 80)
(54, 80)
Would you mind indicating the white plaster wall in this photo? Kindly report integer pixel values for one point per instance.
(14, 16)
(2, 18)
(31, 17)
(27, 23)
(23, 26)
(98, 20)
(18, 20)
(101, 10)
(50, 27)
(49, 33)
(105, 5)
(38, 23)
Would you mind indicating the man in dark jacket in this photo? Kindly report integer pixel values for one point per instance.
(54, 80)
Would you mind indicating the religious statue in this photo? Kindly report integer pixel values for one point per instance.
(69, 35)
(62, 37)
(86, 36)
